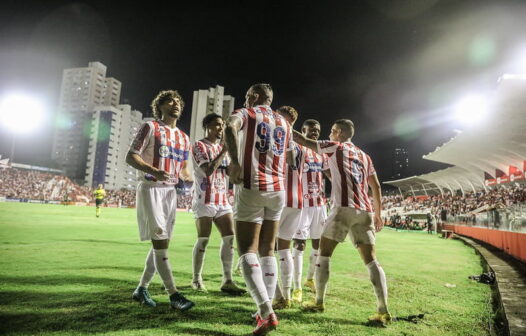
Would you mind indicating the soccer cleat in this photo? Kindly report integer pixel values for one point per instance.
(178, 301)
(310, 284)
(141, 295)
(379, 319)
(199, 286)
(265, 326)
(231, 288)
(313, 306)
(281, 303)
(297, 295)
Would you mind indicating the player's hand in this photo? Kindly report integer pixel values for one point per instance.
(235, 173)
(297, 136)
(161, 175)
(378, 223)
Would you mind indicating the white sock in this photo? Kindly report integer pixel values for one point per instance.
(162, 266)
(312, 264)
(278, 294)
(198, 258)
(297, 257)
(250, 267)
(322, 277)
(149, 270)
(377, 276)
(227, 256)
(286, 269)
(269, 269)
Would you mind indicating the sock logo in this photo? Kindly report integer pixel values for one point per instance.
(269, 274)
(201, 250)
(318, 265)
(164, 259)
(253, 265)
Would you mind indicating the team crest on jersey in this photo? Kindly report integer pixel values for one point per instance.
(164, 151)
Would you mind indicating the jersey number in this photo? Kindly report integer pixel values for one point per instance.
(357, 171)
(263, 131)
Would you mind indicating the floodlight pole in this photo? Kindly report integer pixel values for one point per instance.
(13, 148)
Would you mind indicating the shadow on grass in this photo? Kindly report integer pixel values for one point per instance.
(82, 310)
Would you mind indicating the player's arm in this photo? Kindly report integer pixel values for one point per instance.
(136, 161)
(186, 175)
(210, 167)
(304, 141)
(233, 126)
(374, 185)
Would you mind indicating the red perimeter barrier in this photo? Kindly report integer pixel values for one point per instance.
(513, 243)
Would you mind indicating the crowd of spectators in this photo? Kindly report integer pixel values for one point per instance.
(450, 205)
(36, 185)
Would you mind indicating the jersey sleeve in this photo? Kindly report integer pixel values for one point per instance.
(187, 147)
(324, 162)
(370, 167)
(327, 146)
(141, 139)
(241, 114)
(200, 154)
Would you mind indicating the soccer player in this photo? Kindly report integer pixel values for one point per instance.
(99, 194)
(351, 214)
(160, 153)
(210, 203)
(290, 217)
(314, 212)
(260, 196)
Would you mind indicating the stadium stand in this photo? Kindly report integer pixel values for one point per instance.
(482, 195)
(31, 185)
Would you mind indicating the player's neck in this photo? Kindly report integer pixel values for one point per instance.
(212, 138)
(169, 121)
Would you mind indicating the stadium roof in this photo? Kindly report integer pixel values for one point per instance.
(497, 144)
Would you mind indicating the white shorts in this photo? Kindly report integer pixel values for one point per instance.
(156, 208)
(256, 206)
(311, 223)
(343, 221)
(289, 223)
(210, 210)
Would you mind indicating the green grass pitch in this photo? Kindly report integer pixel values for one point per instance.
(65, 272)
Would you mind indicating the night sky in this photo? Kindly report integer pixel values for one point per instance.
(394, 67)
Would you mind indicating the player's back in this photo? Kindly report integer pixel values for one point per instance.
(350, 169)
(266, 138)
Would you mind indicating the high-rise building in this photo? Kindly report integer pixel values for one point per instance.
(209, 101)
(111, 133)
(81, 91)
(400, 163)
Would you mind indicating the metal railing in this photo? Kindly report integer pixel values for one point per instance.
(511, 218)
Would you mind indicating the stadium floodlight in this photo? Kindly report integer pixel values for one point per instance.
(472, 109)
(20, 113)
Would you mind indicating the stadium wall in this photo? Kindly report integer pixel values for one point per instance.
(513, 243)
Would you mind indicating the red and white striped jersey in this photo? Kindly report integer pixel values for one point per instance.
(162, 147)
(350, 170)
(266, 138)
(210, 190)
(294, 183)
(312, 179)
